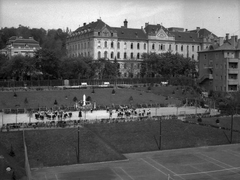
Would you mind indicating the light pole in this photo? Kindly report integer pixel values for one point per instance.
(160, 133)
(16, 112)
(2, 116)
(78, 155)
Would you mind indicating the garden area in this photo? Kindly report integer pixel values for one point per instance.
(148, 96)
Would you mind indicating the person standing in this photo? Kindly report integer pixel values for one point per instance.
(80, 114)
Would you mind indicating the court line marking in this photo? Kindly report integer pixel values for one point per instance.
(232, 153)
(117, 174)
(218, 164)
(126, 173)
(212, 162)
(46, 176)
(156, 168)
(205, 172)
(164, 167)
(56, 176)
(215, 160)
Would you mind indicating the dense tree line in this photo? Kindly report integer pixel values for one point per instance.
(167, 65)
(46, 65)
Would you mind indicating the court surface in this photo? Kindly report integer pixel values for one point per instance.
(204, 163)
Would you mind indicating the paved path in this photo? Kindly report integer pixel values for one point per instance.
(21, 118)
(204, 163)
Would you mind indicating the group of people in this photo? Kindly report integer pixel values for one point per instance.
(125, 111)
(52, 115)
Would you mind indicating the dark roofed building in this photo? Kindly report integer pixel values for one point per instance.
(126, 45)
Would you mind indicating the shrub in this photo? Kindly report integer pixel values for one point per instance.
(113, 91)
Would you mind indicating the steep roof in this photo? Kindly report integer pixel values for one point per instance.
(128, 33)
(226, 46)
(185, 36)
(203, 33)
(153, 29)
(19, 40)
(93, 26)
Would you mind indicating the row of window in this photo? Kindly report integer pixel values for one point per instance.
(84, 45)
(118, 45)
(162, 47)
(105, 55)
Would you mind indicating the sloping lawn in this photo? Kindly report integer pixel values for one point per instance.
(107, 141)
(14, 140)
(139, 136)
(224, 121)
(104, 97)
(54, 147)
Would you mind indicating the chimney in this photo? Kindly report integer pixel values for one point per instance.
(227, 36)
(146, 24)
(198, 29)
(186, 30)
(220, 41)
(84, 24)
(125, 23)
(234, 40)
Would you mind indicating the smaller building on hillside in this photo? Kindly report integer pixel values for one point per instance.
(219, 65)
(20, 46)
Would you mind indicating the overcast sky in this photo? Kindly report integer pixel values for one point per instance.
(218, 16)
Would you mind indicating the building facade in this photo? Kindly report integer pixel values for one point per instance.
(219, 65)
(20, 46)
(126, 45)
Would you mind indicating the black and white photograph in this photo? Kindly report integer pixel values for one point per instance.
(119, 90)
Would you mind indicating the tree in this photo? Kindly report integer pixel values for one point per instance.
(167, 64)
(47, 63)
(18, 67)
(105, 69)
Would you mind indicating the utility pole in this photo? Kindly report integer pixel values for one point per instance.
(231, 127)
(160, 133)
(78, 155)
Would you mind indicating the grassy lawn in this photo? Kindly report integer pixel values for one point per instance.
(107, 141)
(102, 97)
(139, 136)
(15, 140)
(224, 121)
(59, 147)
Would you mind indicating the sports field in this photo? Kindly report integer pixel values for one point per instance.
(203, 163)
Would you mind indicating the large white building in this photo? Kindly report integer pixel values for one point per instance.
(126, 45)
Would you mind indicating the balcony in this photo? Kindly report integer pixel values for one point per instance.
(233, 70)
(234, 60)
(232, 81)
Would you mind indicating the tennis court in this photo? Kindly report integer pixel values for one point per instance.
(204, 163)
